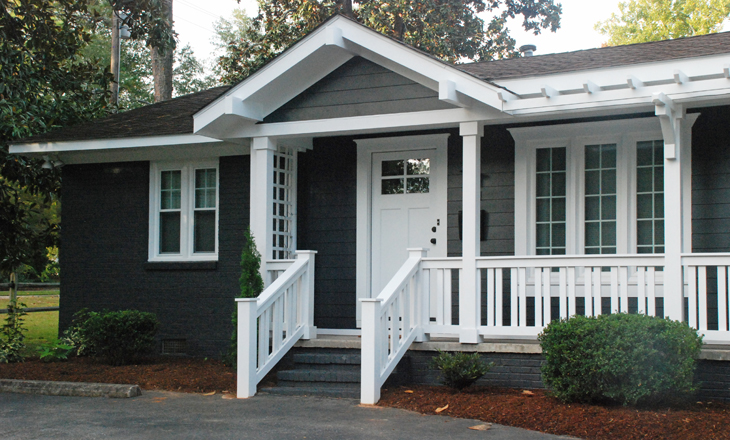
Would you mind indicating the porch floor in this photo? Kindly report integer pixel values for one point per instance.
(709, 352)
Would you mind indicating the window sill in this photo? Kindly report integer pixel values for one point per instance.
(180, 265)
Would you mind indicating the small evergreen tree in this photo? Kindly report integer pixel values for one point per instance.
(251, 287)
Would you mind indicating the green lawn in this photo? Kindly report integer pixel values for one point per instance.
(42, 326)
(31, 292)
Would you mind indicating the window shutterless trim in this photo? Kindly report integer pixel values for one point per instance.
(187, 211)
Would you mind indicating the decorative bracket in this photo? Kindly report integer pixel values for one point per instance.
(670, 116)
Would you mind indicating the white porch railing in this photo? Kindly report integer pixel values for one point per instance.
(706, 292)
(268, 326)
(275, 268)
(390, 323)
(519, 296)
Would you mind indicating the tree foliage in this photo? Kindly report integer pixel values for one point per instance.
(451, 30)
(640, 21)
(47, 82)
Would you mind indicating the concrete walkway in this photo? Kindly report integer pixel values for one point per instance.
(164, 415)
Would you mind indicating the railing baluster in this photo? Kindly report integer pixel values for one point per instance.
(563, 293)
(651, 291)
(571, 291)
(498, 298)
(440, 297)
(722, 298)
(614, 290)
(513, 296)
(641, 291)
(702, 298)
(447, 296)
(522, 294)
(597, 291)
(489, 301)
(546, 295)
(588, 290)
(538, 297)
(623, 275)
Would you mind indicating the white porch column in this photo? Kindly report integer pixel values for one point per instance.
(471, 133)
(676, 131)
(262, 194)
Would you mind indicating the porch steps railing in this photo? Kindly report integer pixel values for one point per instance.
(270, 325)
(706, 291)
(390, 323)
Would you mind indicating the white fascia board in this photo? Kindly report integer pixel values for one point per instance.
(367, 124)
(646, 72)
(692, 92)
(327, 48)
(108, 144)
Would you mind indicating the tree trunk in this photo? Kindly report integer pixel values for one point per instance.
(346, 8)
(162, 64)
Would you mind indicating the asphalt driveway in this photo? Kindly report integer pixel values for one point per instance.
(164, 415)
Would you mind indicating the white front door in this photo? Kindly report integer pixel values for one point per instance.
(408, 209)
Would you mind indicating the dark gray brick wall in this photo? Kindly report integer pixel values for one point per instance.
(103, 253)
(326, 222)
(514, 370)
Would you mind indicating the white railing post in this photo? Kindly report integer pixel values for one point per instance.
(246, 358)
(371, 341)
(471, 133)
(262, 195)
(421, 297)
(310, 331)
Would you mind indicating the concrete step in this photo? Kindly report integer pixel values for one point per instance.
(327, 358)
(319, 375)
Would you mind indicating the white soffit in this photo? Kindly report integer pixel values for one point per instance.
(686, 81)
(320, 53)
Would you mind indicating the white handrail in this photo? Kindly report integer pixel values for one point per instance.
(390, 323)
(270, 325)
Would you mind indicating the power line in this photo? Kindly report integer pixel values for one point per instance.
(197, 25)
(190, 5)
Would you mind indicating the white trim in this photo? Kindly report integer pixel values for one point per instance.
(338, 332)
(107, 144)
(624, 133)
(365, 150)
(186, 211)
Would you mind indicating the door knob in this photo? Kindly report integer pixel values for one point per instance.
(433, 241)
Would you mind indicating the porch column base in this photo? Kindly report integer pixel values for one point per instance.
(470, 336)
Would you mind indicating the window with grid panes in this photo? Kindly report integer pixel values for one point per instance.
(600, 199)
(550, 198)
(650, 197)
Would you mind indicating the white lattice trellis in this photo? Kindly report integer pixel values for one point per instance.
(284, 204)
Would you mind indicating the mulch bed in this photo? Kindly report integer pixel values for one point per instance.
(187, 375)
(537, 411)
(534, 410)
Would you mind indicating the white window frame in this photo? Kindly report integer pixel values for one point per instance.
(187, 207)
(624, 133)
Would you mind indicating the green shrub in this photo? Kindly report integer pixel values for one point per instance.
(459, 370)
(623, 358)
(12, 339)
(120, 337)
(55, 351)
(73, 335)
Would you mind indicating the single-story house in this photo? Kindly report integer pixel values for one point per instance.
(471, 202)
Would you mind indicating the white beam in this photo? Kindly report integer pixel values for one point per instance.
(248, 110)
(448, 93)
(680, 77)
(634, 82)
(589, 87)
(506, 96)
(726, 71)
(548, 92)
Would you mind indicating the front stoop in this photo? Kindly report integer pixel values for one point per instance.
(320, 372)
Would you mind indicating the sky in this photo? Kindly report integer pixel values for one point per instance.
(194, 24)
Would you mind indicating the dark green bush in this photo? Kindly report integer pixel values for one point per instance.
(459, 370)
(73, 335)
(622, 358)
(12, 337)
(120, 337)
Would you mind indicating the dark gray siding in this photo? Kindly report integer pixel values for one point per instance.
(357, 88)
(497, 194)
(104, 254)
(326, 223)
(711, 181)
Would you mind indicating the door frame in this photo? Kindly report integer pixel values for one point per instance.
(365, 150)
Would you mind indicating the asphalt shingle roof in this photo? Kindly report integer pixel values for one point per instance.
(162, 118)
(614, 56)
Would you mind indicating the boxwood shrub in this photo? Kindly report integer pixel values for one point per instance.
(459, 370)
(629, 359)
(120, 337)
